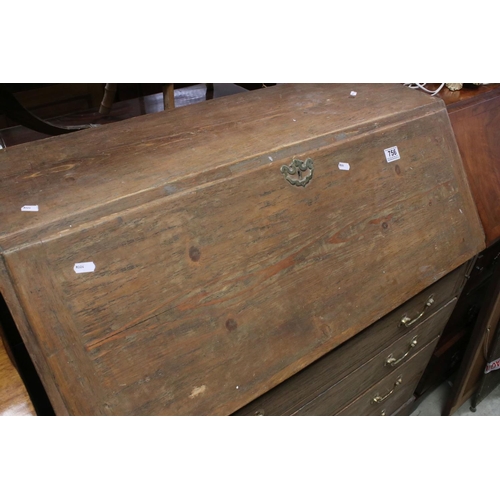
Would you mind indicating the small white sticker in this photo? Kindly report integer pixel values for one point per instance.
(353, 93)
(392, 154)
(492, 366)
(84, 267)
(29, 208)
(344, 166)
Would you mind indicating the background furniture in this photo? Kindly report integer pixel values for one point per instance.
(14, 110)
(67, 107)
(464, 347)
(168, 96)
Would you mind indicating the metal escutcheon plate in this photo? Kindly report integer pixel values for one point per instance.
(298, 173)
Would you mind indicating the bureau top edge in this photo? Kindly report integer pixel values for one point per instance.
(69, 174)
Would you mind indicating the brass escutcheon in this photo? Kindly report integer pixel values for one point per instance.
(294, 173)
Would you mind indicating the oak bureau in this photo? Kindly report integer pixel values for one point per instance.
(291, 250)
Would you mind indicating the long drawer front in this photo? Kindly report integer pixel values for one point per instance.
(385, 397)
(388, 361)
(314, 391)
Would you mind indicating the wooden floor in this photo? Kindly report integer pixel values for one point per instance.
(14, 400)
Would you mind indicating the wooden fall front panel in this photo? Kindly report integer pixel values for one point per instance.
(215, 278)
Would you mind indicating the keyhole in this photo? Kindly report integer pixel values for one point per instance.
(300, 174)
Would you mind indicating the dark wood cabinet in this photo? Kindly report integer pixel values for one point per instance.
(466, 343)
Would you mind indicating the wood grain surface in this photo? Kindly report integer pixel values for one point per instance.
(375, 369)
(14, 399)
(410, 373)
(215, 278)
(318, 378)
(476, 124)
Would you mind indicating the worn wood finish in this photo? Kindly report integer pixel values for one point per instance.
(476, 123)
(342, 393)
(318, 378)
(215, 278)
(35, 352)
(14, 399)
(410, 374)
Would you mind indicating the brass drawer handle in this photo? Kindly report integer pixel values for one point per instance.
(407, 321)
(380, 399)
(392, 361)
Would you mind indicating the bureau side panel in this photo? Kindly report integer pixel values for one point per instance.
(37, 354)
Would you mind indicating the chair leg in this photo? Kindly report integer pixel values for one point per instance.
(210, 91)
(168, 96)
(108, 99)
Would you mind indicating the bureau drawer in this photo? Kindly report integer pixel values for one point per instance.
(392, 391)
(387, 361)
(294, 393)
(483, 266)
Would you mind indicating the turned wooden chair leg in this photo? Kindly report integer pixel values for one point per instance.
(108, 99)
(168, 96)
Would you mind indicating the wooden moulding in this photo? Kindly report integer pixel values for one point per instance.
(216, 279)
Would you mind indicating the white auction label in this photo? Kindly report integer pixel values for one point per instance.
(29, 208)
(84, 267)
(354, 93)
(492, 366)
(344, 166)
(392, 154)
